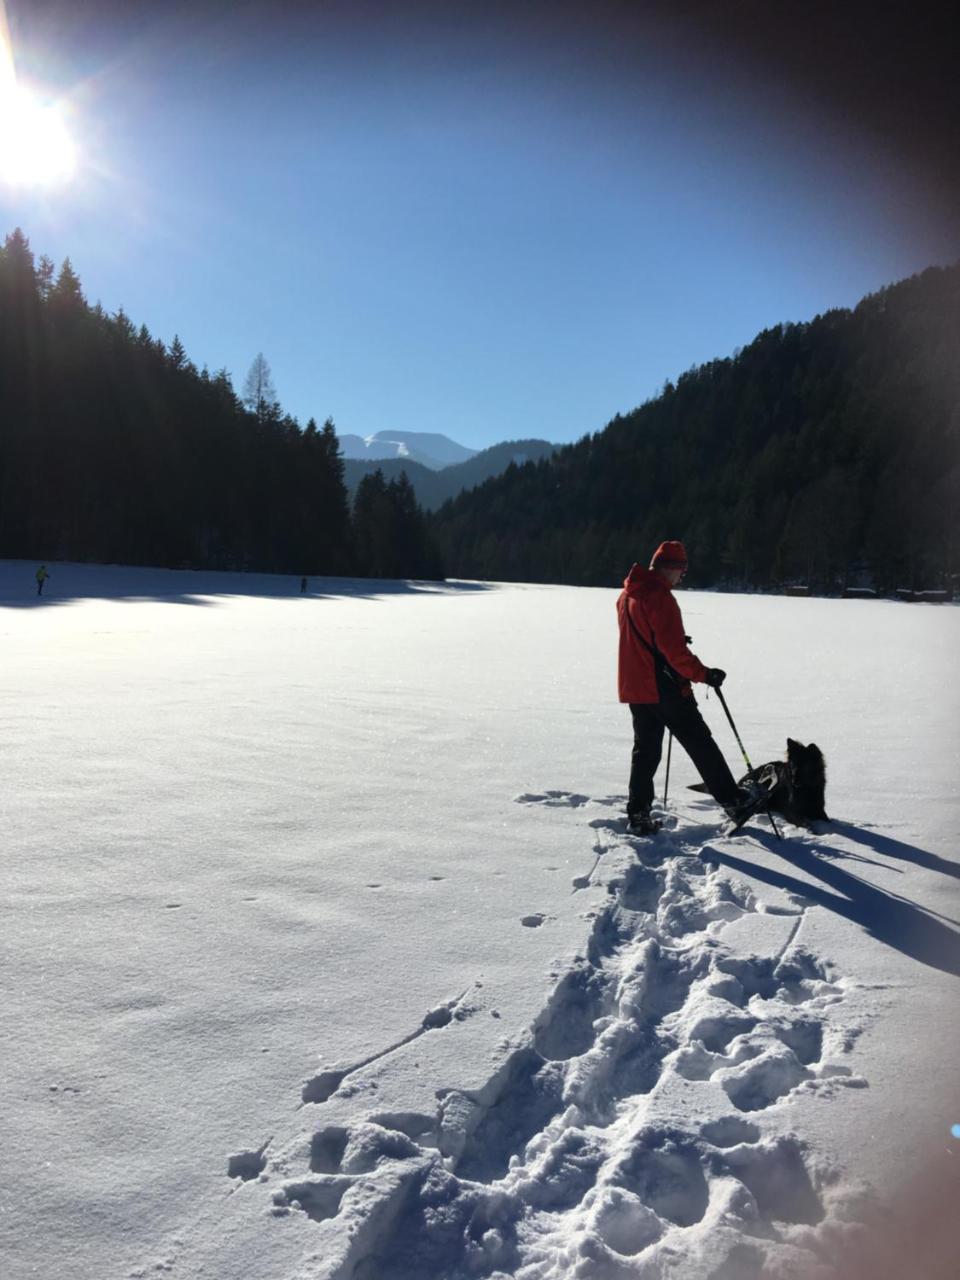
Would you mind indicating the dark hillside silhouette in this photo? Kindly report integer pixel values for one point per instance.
(826, 453)
(115, 448)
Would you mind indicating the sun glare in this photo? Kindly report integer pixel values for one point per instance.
(35, 146)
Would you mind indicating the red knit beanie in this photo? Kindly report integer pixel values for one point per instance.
(669, 555)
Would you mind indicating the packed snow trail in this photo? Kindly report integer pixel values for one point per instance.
(623, 1134)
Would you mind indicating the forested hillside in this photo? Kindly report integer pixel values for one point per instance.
(826, 453)
(115, 448)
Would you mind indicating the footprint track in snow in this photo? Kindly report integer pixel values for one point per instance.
(554, 799)
(564, 1141)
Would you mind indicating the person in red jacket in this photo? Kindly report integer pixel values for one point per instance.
(654, 676)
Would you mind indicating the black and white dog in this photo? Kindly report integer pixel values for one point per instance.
(795, 787)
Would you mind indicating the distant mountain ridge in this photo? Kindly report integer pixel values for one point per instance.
(433, 486)
(428, 448)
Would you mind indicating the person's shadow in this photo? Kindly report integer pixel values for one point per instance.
(918, 932)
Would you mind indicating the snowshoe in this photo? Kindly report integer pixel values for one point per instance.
(643, 823)
(752, 798)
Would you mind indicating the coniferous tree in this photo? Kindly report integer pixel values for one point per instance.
(177, 355)
(259, 394)
(45, 273)
(373, 526)
(391, 535)
(67, 292)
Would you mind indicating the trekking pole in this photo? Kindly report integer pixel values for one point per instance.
(666, 782)
(743, 752)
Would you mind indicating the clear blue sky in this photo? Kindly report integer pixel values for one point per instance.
(454, 218)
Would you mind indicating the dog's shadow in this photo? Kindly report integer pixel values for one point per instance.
(915, 931)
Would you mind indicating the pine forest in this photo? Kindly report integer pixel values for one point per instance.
(823, 454)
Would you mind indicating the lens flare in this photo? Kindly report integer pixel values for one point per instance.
(35, 145)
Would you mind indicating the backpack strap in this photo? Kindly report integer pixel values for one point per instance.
(659, 661)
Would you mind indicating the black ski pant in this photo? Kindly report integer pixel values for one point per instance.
(682, 717)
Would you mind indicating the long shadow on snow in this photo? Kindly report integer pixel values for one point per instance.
(206, 589)
(891, 848)
(889, 918)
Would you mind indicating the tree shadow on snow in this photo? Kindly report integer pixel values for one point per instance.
(888, 917)
(70, 583)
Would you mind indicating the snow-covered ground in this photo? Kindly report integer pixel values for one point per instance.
(325, 953)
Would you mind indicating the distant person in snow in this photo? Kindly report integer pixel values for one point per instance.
(303, 586)
(41, 576)
(654, 675)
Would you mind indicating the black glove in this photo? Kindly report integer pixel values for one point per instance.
(715, 677)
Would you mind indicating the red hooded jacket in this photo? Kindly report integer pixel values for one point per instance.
(656, 615)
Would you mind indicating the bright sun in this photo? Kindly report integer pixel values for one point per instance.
(35, 146)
